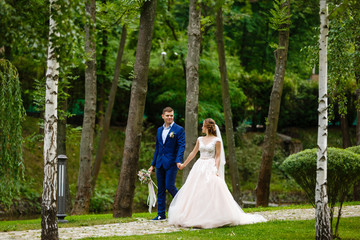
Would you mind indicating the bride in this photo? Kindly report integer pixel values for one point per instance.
(204, 201)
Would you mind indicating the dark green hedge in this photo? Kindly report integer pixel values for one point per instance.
(343, 170)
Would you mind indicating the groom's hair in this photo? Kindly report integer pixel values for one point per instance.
(167, 109)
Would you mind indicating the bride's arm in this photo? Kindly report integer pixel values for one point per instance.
(191, 155)
(217, 156)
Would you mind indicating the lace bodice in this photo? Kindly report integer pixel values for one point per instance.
(207, 150)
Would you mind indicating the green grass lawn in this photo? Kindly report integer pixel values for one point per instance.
(348, 229)
(274, 230)
(74, 221)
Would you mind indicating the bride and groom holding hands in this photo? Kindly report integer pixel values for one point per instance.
(204, 201)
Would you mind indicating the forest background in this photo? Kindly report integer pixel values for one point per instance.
(249, 44)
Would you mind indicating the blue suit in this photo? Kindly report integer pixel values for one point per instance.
(165, 158)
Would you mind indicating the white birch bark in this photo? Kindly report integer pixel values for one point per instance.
(322, 224)
(48, 205)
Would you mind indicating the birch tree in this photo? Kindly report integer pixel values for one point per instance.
(82, 201)
(126, 186)
(322, 224)
(281, 22)
(234, 173)
(49, 228)
(192, 81)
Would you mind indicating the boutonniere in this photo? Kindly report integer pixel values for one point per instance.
(172, 134)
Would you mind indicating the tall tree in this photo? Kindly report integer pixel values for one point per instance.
(49, 228)
(280, 21)
(106, 123)
(357, 77)
(343, 77)
(101, 99)
(192, 81)
(354, 8)
(12, 114)
(345, 132)
(126, 187)
(83, 194)
(235, 178)
(103, 85)
(322, 224)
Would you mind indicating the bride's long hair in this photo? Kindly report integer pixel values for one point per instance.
(209, 124)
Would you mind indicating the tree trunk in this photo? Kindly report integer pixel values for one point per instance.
(106, 124)
(357, 77)
(263, 186)
(234, 173)
(83, 194)
(192, 82)
(345, 132)
(322, 218)
(125, 190)
(49, 228)
(101, 109)
(61, 150)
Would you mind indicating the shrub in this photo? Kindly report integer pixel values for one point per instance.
(102, 201)
(354, 149)
(343, 169)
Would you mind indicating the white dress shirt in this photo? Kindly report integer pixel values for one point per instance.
(166, 131)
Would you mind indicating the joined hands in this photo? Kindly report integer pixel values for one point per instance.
(180, 166)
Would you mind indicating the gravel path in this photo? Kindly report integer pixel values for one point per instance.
(142, 226)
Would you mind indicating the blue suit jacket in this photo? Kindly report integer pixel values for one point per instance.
(172, 151)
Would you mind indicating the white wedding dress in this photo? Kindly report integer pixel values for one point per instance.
(204, 201)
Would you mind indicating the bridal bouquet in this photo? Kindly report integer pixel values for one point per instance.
(145, 178)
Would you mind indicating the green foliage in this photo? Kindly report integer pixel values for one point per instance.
(22, 31)
(292, 111)
(342, 83)
(279, 16)
(11, 116)
(354, 149)
(247, 37)
(343, 168)
(257, 88)
(102, 200)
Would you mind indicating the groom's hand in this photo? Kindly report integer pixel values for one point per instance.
(179, 165)
(151, 169)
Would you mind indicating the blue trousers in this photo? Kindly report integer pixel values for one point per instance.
(165, 181)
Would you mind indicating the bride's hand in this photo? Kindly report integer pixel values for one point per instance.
(217, 173)
(180, 166)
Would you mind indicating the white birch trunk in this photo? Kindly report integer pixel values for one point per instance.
(48, 205)
(322, 224)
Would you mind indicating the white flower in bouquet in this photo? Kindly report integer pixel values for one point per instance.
(145, 178)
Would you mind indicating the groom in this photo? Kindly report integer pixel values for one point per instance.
(169, 152)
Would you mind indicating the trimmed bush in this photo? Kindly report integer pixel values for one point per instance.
(343, 169)
(354, 149)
